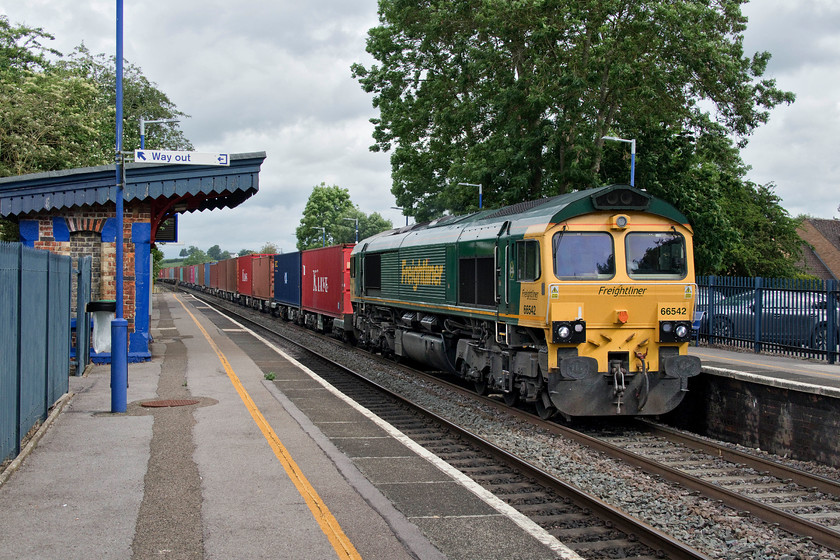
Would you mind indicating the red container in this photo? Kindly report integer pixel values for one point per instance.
(244, 275)
(325, 280)
(263, 277)
(191, 270)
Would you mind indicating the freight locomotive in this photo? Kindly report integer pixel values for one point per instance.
(579, 304)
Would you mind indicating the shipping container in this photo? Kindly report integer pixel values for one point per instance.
(225, 278)
(287, 279)
(325, 280)
(200, 278)
(263, 277)
(244, 275)
(214, 276)
(206, 282)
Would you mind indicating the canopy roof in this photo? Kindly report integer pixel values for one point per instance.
(169, 188)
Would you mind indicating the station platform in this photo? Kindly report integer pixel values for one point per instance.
(805, 376)
(239, 466)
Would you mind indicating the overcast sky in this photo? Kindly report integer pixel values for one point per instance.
(274, 76)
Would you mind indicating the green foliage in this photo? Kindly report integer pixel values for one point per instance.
(269, 249)
(141, 98)
(517, 97)
(330, 208)
(215, 253)
(194, 255)
(60, 115)
(157, 261)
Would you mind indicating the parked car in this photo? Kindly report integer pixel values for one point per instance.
(786, 317)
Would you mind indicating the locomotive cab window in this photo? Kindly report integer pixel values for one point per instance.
(527, 261)
(583, 255)
(656, 255)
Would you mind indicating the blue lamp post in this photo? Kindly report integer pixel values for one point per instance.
(632, 155)
(357, 226)
(324, 232)
(119, 326)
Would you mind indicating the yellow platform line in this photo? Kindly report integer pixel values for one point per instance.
(328, 523)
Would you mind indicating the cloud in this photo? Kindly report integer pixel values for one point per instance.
(274, 76)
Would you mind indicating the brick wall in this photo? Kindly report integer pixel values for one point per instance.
(85, 227)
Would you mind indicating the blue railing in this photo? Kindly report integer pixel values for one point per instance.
(34, 339)
(771, 315)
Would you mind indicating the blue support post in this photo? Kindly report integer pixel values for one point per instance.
(119, 326)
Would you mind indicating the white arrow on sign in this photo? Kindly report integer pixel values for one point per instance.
(184, 158)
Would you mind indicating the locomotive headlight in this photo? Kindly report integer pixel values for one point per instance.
(670, 331)
(568, 332)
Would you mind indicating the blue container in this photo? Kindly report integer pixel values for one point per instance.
(287, 279)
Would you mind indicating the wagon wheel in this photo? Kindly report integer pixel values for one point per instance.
(511, 397)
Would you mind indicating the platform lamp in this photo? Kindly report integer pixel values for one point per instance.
(632, 155)
(144, 122)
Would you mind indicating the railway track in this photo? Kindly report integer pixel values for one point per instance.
(797, 501)
(584, 523)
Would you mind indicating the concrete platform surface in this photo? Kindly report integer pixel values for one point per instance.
(238, 469)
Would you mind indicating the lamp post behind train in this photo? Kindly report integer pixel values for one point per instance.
(479, 191)
(632, 155)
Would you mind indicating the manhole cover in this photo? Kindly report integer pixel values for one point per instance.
(171, 402)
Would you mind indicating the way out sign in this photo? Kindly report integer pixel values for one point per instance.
(185, 158)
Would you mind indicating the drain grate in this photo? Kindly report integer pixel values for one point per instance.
(168, 403)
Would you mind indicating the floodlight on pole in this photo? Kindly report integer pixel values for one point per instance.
(632, 155)
(479, 191)
(357, 226)
(144, 122)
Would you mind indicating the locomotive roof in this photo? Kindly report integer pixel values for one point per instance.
(552, 210)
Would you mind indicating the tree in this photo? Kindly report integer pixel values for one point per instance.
(61, 115)
(141, 98)
(269, 249)
(215, 253)
(194, 256)
(517, 96)
(327, 208)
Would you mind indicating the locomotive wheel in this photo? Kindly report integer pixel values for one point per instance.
(480, 386)
(511, 398)
(544, 411)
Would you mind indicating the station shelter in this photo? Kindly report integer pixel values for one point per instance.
(73, 212)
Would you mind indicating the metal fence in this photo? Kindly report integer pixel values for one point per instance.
(34, 339)
(771, 315)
